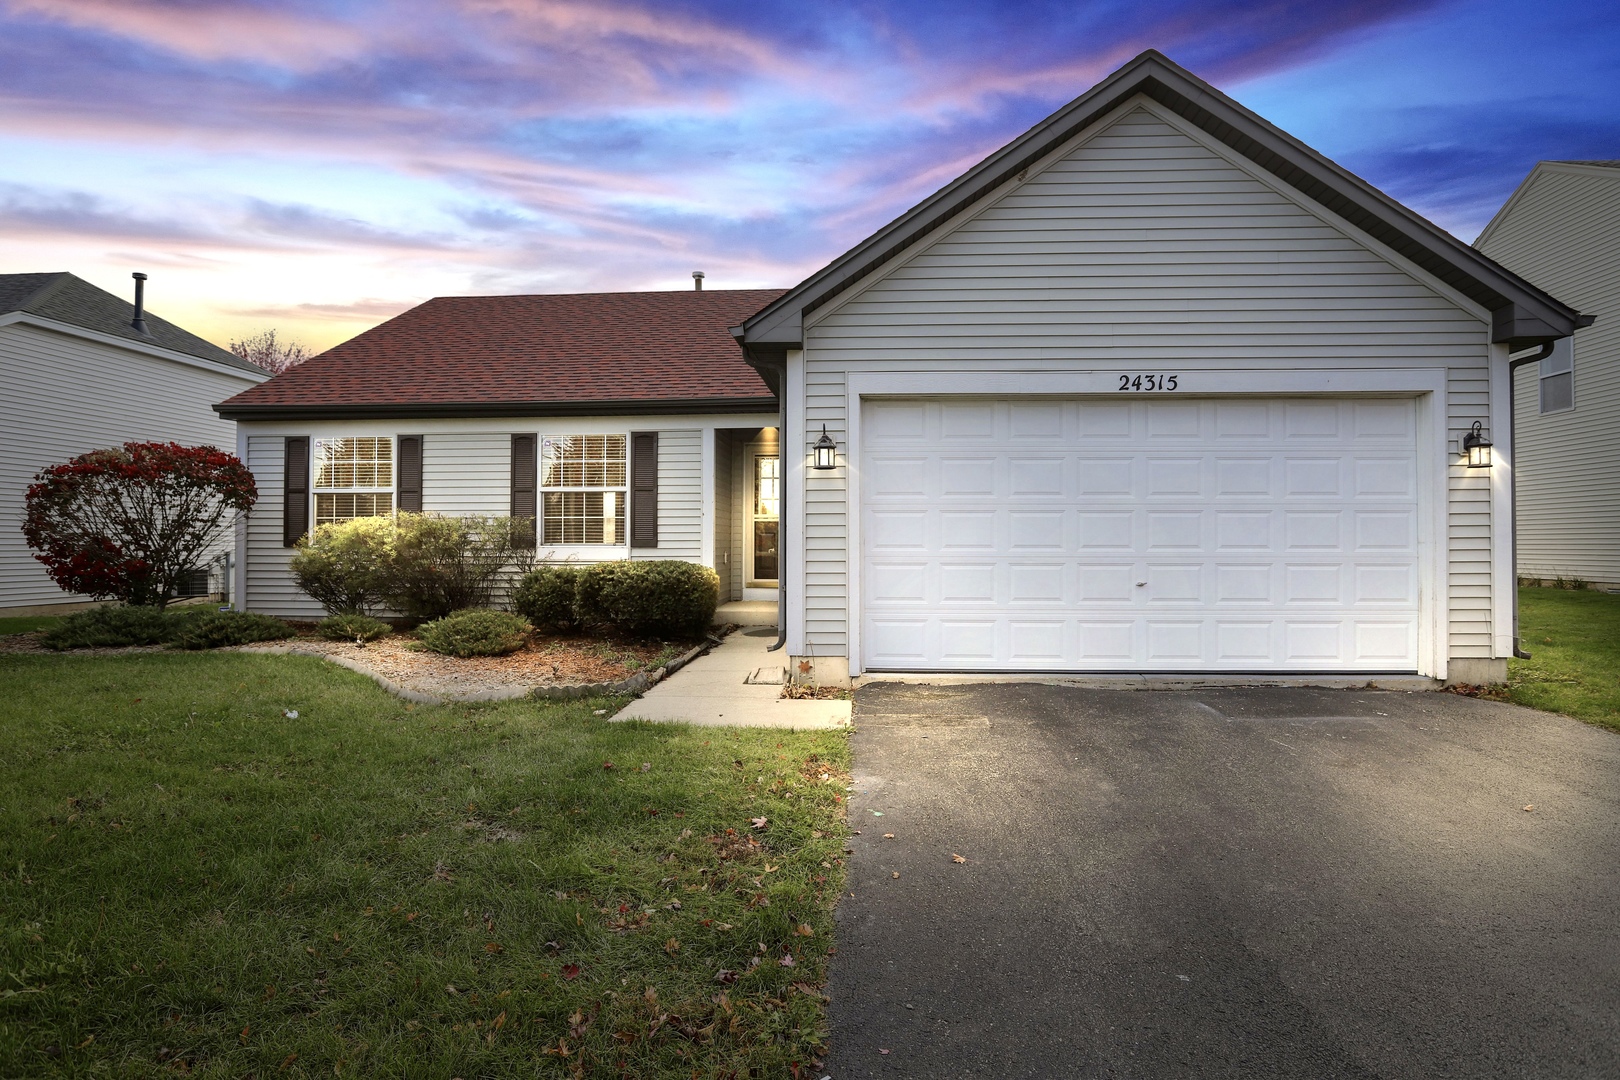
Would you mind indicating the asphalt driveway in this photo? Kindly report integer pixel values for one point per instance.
(1235, 883)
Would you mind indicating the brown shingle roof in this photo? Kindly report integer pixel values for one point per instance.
(530, 355)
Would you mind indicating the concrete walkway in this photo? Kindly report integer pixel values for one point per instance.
(715, 691)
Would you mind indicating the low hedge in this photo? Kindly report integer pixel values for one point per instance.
(655, 599)
(357, 628)
(662, 598)
(547, 597)
(184, 628)
(476, 632)
(217, 629)
(111, 627)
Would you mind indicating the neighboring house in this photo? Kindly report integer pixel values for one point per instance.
(1561, 229)
(629, 424)
(77, 374)
(1153, 388)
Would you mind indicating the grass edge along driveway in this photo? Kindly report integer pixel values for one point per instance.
(1573, 637)
(230, 864)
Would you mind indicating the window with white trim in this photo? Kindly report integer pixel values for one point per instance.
(354, 478)
(582, 488)
(1558, 378)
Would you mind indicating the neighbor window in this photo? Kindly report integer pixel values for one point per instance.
(582, 483)
(1558, 378)
(354, 478)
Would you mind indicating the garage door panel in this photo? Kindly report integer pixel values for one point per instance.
(1212, 535)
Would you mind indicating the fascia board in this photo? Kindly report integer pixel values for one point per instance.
(29, 319)
(460, 410)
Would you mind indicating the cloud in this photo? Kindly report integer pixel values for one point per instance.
(30, 211)
(367, 311)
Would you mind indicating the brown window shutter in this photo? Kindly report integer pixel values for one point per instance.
(644, 489)
(295, 488)
(410, 473)
(525, 488)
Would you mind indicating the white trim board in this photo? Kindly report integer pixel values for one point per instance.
(1427, 384)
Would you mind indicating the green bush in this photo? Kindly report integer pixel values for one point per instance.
(109, 627)
(656, 599)
(356, 628)
(546, 596)
(476, 632)
(216, 629)
(344, 565)
(437, 565)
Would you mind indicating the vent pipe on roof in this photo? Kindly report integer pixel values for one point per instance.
(139, 321)
(697, 280)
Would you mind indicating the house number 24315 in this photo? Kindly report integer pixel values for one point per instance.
(1147, 382)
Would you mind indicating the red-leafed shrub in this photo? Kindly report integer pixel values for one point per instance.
(129, 524)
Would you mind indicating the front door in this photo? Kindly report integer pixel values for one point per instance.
(767, 510)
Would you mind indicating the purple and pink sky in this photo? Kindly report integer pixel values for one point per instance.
(318, 165)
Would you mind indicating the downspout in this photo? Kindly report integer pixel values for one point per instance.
(781, 512)
(1513, 482)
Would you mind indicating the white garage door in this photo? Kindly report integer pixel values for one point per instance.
(1037, 534)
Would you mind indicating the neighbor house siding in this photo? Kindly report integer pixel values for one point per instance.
(62, 395)
(1141, 248)
(1562, 232)
(466, 469)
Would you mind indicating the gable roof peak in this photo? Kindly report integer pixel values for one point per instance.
(1521, 313)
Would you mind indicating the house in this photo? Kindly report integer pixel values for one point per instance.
(81, 370)
(1153, 388)
(628, 424)
(1561, 229)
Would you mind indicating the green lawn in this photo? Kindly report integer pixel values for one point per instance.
(195, 882)
(1574, 638)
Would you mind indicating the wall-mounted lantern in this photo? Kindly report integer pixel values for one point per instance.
(1476, 447)
(826, 451)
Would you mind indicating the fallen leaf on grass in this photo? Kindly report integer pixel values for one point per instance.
(759, 823)
(570, 972)
(955, 858)
(607, 764)
(672, 946)
(725, 976)
(491, 947)
(804, 929)
(786, 961)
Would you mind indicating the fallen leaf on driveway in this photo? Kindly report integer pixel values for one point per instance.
(955, 858)
(882, 1051)
(1529, 808)
(896, 873)
(888, 836)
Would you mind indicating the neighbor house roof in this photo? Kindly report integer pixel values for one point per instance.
(561, 354)
(1521, 313)
(61, 297)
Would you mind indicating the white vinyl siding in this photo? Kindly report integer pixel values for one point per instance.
(61, 396)
(467, 472)
(1143, 249)
(680, 496)
(270, 587)
(1561, 231)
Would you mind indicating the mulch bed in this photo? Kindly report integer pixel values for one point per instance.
(548, 661)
